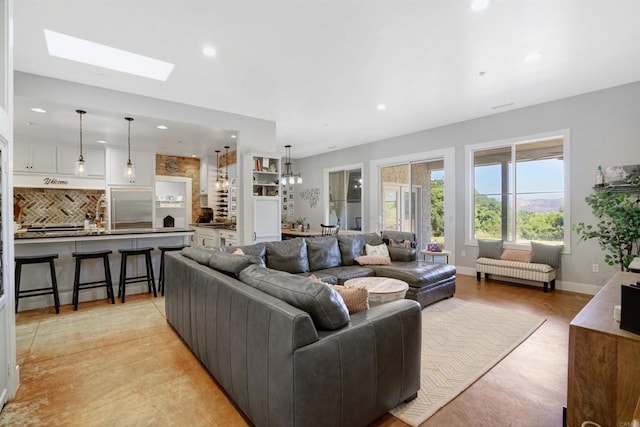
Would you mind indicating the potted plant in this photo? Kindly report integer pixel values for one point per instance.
(300, 223)
(618, 227)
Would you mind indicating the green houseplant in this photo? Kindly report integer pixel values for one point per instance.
(618, 228)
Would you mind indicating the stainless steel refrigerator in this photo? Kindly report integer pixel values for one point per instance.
(131, 208)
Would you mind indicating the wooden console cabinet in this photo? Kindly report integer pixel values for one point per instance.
(604, 362)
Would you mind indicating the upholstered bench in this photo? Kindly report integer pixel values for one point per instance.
(540, 264)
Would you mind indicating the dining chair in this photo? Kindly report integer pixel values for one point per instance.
(329, 230)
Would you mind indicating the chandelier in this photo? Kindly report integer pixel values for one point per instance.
(290, 177)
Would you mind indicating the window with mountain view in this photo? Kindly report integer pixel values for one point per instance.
(519, 192)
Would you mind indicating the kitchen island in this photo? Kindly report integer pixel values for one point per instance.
(64, 243)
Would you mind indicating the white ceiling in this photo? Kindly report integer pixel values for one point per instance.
(319, 68)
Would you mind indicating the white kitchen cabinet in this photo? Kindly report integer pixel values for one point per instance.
(36, 158)
(228, 238)
(266, 219)
(68, 156)
(144, 164)
(207, 237)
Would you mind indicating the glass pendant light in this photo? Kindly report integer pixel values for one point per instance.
(129, 171)
(290, 177)
(80, 166)
(217, 169)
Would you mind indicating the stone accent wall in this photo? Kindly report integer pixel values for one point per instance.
(188, 167)
(50, 206)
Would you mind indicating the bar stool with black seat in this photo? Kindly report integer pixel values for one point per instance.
(164, 249)
(124, 280)
(106, 282)
(51, 290)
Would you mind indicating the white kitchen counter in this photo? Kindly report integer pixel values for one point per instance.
(67, 242)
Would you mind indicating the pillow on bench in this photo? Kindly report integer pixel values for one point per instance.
(546, 254)
(516, 255)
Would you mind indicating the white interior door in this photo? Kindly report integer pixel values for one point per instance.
(8, 374)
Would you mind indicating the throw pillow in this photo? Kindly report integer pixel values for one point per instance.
(356, 298)
(489, 248)
(546, 254)
(373, 260)
(238, 251)
(377, 250)
(516, 255)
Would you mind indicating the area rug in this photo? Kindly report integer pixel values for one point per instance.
(461, 341)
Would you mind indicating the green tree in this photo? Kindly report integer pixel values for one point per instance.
(488, 217)
(437, 208)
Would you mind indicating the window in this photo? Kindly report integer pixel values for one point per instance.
(519, 191)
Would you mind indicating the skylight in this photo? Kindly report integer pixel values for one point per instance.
(87, 52)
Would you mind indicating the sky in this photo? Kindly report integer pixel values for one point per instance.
(540, 176)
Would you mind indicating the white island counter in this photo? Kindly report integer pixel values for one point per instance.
(64, 243)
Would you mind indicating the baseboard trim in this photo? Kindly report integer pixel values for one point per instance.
(563, 285)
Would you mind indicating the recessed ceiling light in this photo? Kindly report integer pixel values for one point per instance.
(209, 51)
(193, 155)
(233, 135)
(87, 52)
(162, 127)
(477, 5)
(102, 141)
(38, 110)
(532, 56)
(381, 107)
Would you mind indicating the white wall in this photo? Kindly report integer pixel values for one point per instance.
(605, 130)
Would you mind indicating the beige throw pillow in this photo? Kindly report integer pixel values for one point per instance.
(356, 298)
(373, 260)
(238, 251)
(515, 255)
(376, 250)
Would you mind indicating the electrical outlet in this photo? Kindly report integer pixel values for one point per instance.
(595, 268)
(463, 253)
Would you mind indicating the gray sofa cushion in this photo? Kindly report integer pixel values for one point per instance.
(329, 279)
(229, 263)
(324, 305)
(288, 255)
(199, 255)
(345, 273)
(416, 273)
(323, 252)
(257, 249)
(352, 246)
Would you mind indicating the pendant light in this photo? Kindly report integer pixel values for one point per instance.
(225, 182)
(80, 166)
(217, 169)
(129, 171)
(290, 177)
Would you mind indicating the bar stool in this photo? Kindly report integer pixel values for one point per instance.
(107, 282)
(164, 249)
(52, 290)
(136, 279)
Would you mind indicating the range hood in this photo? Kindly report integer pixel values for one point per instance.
(32, 180)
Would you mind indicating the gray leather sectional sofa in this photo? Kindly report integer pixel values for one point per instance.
(284, 347)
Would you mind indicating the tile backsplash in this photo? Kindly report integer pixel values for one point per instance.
(48, 206)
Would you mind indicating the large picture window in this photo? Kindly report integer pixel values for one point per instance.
(519, 191)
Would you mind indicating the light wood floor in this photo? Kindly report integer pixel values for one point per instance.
(123, 365)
